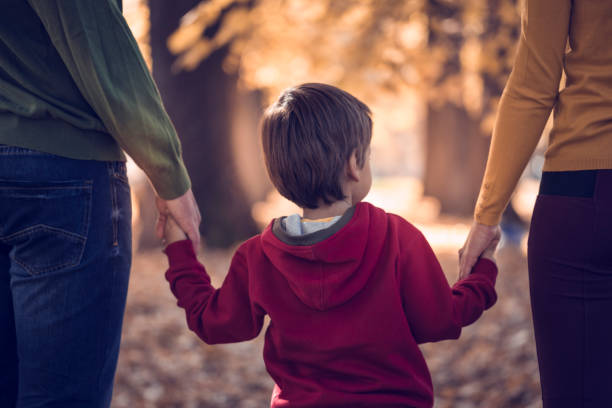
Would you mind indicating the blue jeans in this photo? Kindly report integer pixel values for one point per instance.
(65, 254)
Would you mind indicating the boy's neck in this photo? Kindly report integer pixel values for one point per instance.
(325, 211)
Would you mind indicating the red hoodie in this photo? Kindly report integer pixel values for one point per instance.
(347, 305)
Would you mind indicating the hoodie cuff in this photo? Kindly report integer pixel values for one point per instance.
(180, 251)
(487, 268)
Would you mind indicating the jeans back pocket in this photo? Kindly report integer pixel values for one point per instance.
(45, 223)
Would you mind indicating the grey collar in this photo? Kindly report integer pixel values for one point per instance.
(312, 238)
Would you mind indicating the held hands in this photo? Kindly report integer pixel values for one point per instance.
(481, 242)
(172, 232)
(184, 210)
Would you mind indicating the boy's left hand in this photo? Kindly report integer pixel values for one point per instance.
(172, 232)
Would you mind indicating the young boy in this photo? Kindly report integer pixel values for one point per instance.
(350, 290)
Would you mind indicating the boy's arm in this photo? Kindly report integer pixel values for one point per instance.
(434, 310)
(223, 315)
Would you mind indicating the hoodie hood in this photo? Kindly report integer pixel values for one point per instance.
(329, 267)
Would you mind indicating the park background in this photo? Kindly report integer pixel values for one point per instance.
(432, 72)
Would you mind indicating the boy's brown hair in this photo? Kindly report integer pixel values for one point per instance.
(308, 136)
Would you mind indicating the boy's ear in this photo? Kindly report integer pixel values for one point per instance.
(353, 171)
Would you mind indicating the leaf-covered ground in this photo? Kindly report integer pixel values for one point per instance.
(163, 364)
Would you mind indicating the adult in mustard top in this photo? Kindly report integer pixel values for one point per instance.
(75, 94)
(570, 241)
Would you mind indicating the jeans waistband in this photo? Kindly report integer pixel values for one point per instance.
(6, 150)
(579, 183)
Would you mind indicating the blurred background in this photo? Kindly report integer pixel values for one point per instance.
(432, 71)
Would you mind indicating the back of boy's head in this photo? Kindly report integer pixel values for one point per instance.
(308, 136)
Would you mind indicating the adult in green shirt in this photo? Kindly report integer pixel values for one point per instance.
(74, 94)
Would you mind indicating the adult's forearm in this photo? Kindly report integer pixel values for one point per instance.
(526, 103)
(517, 131)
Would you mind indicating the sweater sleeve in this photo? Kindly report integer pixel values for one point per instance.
(525, 104)
(103, 59)
(436, 311)
(223, 315)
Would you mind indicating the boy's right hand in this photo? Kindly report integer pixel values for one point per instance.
(172, 232)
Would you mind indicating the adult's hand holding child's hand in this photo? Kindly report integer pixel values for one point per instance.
(481, 241)
(172, 231)
(489, 252)
(185, 211)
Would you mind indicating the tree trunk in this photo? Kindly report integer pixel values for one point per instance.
(200, 103)
(455, 158)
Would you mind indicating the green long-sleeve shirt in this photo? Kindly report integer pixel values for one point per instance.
(73, 83)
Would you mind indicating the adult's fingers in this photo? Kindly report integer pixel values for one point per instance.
(199, 215)
(193, 232)
(466, 264)
(188, 221)
(160, 224)
(184, 210)
(479, 239)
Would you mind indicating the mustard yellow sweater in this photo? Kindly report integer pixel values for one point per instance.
(581, 138)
